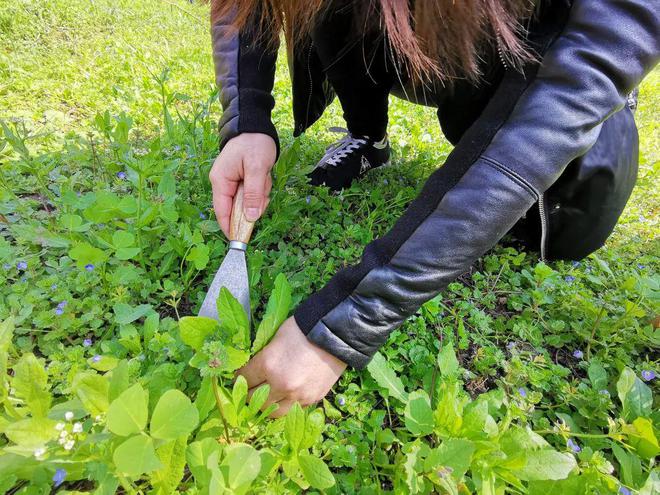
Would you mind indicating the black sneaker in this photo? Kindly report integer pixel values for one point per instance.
(349, 158)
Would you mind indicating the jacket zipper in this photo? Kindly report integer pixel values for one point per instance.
(544, 225)
(500, 52)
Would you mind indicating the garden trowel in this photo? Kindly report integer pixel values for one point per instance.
(232, 273)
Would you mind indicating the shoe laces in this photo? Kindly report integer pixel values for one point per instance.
(340, 149)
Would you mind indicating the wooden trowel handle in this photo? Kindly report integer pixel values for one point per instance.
(240, 228)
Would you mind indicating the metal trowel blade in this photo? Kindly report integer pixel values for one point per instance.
(233, 275)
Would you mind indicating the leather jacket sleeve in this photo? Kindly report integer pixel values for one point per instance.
(245, 72)
(535, 124)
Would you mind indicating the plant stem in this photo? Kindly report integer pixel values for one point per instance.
(216, 392)
(572, 434)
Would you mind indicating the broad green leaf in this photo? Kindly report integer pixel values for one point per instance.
(455, 453)
(277, 310)
(84, 253)
(173, 416)
(258, 399)
(447, 361)
(316, 471)
(136, 456)
(122, 239)
(125, 313)
(314, 425)
(127, 415)
(195, 329)
(635, 396)
(652, 485)
(386, 378)
(597, 375)
(630, 466)
(6, 335)
(31, 432)
(197, 455)
(294, 427)
(519, 439)
(92, 390)
(642, 438)
(31, 384)
(103, 363)
(236, 358)
(546, 464)
(127, 253)
(573, 485)
(411, 469)
(239, 393)
(199, 256)
(240, 466)
(118, 380)
(233, 318)
(205, 400)
(418, 414)
(172, 456)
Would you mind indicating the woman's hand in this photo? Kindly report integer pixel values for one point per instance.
(296, 369)
(247, 158)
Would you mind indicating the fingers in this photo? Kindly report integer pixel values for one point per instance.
(284, 406)
(257, 184)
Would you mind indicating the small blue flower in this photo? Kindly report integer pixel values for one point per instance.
(386, 182)
(53, 287)
(604, 392)
(648, 375)
(96, 359)
(569, 278)
(575, 264)
(59, 477)
(578, 354)
(341, 401)
(624, 491)
(308, 199)
(141, 357)
(522, 392)
(87, 342)
(511, 345)
(6, 266)
(89, 267)
(121, 175)
(62, 304)
(59, 311)
(166, 350)
(641, 267)
(573, 446)
(202, 215)
(21, 265)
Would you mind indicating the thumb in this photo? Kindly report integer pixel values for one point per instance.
(254, 192)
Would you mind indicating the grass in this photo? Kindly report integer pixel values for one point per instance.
(92, 89)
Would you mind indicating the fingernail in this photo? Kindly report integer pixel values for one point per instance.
(252, 214)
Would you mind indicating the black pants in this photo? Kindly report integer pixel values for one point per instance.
(584, 204)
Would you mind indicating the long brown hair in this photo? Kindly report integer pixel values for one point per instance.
(440, 38)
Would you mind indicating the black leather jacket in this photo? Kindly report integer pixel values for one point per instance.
(517, 140)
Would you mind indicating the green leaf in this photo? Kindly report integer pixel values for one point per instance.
(277, 310)
(597, 375)
(127, 253)
(316, 471)
(652, 485)
(6, 335)
(125, 313)
(386, 378)
(258, 399)
(92, 390)
(172, 456)
(447, 361)
(199, 255)
(118, 380)
(31, 432)
(240, 466)
(195, 329)
(31, 384)
(314, 425)
(127, 415)
(233, 318)
(239, 393)
(197, 455)
(630, 466)
(635, 396)
(236, 358)
(294, 426)
(173, 416)
(122, 239)
(642, 438)
(411, 468)
(84, 253)
(455, 453)
(546, 464)
(136, 456)
(418, 413)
